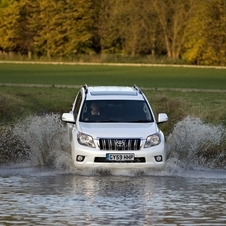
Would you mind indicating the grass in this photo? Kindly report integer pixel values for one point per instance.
(166, 77)
(16, 102)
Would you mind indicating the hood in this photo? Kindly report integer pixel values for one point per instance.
(119, 130)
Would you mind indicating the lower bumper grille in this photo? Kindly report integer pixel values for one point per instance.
(136, 160)
(119, 144)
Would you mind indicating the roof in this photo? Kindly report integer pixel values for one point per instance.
(113, 92)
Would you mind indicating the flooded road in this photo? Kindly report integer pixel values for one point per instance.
(32, 196)
(41, 187)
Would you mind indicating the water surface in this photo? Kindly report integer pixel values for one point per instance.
(32, 196)
(40, 186)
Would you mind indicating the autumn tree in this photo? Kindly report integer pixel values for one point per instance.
(14, 27)
(206, 34)
(5, 3)
(195, 39)
(136, 26)
(27, 27)
(106, 29)
(215, 33)
(63, 27)
(174, 17)
(9, 36)
(189, 29)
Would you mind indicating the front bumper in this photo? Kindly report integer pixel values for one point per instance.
(94, 158)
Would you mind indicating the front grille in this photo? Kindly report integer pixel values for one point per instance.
(119, 144)
(104, 160)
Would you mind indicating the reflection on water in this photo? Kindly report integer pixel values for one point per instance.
(46, 189)
(44, 197)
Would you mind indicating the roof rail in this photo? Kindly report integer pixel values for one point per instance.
(85, 88)
(137, 88)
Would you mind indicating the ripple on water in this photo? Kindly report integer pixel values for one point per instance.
(47, 189)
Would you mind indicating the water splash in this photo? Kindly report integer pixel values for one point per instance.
(46, 138)
(11, 147)
(194, 143)
(42, 141)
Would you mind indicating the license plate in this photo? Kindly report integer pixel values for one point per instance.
(120, 157)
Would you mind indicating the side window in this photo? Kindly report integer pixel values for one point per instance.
(77, 104)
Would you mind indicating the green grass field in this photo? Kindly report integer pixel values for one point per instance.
(16, 102)
(143, 76)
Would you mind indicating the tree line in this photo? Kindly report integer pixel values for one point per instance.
(192, 30)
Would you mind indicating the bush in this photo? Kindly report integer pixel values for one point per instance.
(11, 108)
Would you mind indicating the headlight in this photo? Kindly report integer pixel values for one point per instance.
(85, 140)
(152, 140)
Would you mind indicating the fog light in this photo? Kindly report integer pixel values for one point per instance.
(80, 158)
(158, 158)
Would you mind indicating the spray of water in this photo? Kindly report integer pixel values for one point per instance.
(194, 143)
(46, 138)
(42, 141)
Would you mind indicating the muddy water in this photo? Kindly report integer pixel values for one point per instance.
(45, 189)
(32, 196)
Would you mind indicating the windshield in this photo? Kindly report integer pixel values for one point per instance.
(115, 111)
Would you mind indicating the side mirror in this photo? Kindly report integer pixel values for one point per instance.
(162, 117)
(68, 117)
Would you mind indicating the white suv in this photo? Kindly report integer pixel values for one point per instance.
(114, 127)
